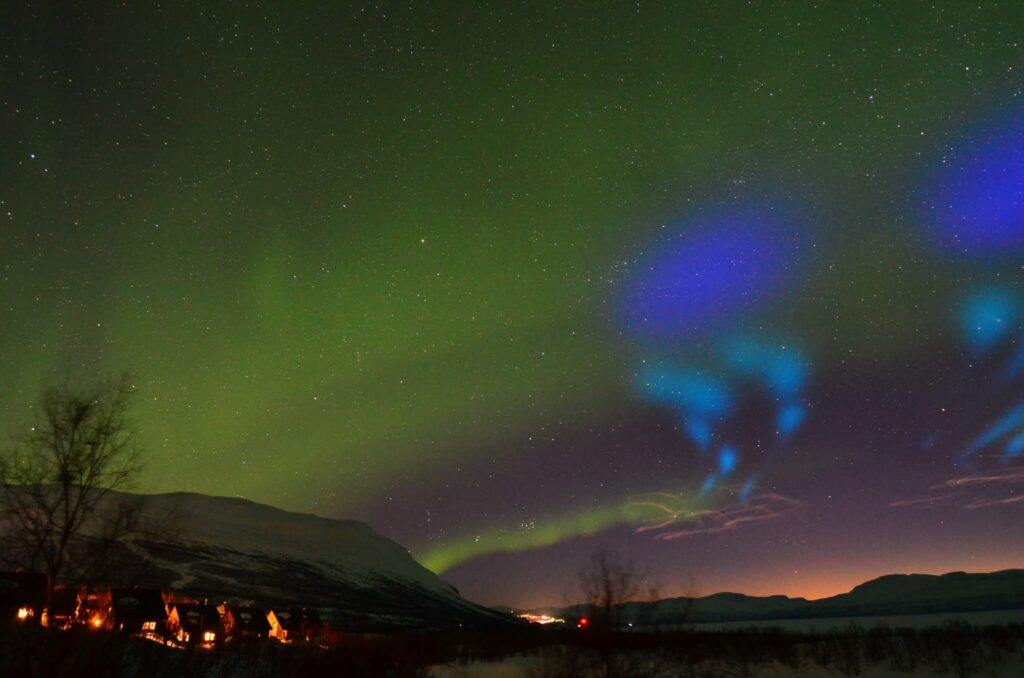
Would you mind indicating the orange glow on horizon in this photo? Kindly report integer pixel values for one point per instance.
(832, 579)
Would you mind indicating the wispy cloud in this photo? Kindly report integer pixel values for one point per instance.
(669, 516)
(994, 487)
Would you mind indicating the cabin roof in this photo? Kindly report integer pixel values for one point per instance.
(138, 604)
(248, 618)
(291, 618)
(197, 616)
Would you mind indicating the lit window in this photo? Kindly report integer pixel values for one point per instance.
(209, 636)
(149, 626)
(24, 613)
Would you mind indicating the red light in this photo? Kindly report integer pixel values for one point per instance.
(583, 623)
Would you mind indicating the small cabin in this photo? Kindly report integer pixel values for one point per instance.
(295, 625)
(196, 624)
(95, 608)
(63, 610)
(244, 622)
(137, 610)
(22, 597)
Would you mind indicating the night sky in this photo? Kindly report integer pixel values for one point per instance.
(734, 289)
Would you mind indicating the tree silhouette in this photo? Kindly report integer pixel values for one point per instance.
(59, 505)
(607, 584)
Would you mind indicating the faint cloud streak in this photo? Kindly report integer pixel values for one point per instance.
(997, 487)
(671, 517)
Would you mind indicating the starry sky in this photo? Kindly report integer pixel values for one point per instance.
(734, 289)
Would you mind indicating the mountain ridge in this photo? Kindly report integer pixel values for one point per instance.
(891, 594)
(232, 548)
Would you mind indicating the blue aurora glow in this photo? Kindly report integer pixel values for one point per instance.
(1010, 423)
(696, 397)
(779, 368)
(726, 460)
(988, 318)
(1015, 446)
(790, 418)
(718, 265)
(973, 202)
(1015, 368)
(690, 390)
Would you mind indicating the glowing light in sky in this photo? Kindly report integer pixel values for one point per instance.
(781, 369)
(702, 401)
(777, 366)
(1016, 445)
(1008, 423)
(974, 202)
(476, 292)
(719, 264)
(672, 516)
(790, 417)
(691, 390)
(726, 460)
(987, 318)
(717, 267)
(697, 397)
(508, 538)
(1015, 367)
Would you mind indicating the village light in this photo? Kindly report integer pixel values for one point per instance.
(541, 618)
(209, 636)
(96, 622)
(24, 613)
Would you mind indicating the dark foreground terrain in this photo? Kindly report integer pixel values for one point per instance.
(955, 649)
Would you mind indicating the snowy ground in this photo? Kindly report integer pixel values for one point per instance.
(917, 621)
(525, 667)
(532, 666)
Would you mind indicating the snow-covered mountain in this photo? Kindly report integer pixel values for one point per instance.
(220, 547)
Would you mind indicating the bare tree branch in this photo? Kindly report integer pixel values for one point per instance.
(64, 471)
(607, 583)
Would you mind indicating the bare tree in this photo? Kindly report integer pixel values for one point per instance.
(614, 594)
(59, 481)
(607, 584)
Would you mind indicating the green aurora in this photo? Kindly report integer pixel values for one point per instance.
(342, 247)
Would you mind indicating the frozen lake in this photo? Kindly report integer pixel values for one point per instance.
(986, 618)
(520, 666)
